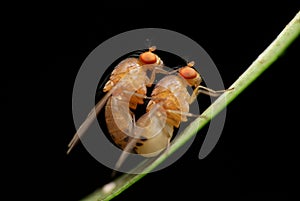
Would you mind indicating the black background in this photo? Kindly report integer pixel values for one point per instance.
(256, 155)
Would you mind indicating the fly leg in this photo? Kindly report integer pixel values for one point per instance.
(204, 90)
(187, 114)
(162, 71)
(155, 71)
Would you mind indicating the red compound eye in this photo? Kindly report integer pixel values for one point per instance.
(188, 73)
(148, 58)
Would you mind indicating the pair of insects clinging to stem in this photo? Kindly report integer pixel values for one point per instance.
(168, 106)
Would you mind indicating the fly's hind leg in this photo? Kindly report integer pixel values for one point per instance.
(187, 114)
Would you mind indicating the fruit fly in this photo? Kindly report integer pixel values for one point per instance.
(126, 88)
(171, 101)
(168, 107)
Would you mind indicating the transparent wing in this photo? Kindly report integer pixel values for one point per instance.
(89, 120)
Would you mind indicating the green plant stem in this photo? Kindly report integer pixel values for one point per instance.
(264, 60)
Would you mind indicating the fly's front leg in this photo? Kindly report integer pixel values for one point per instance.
(204, 90)
(154, 72)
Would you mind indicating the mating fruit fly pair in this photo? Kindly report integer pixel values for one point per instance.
(169, 104)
